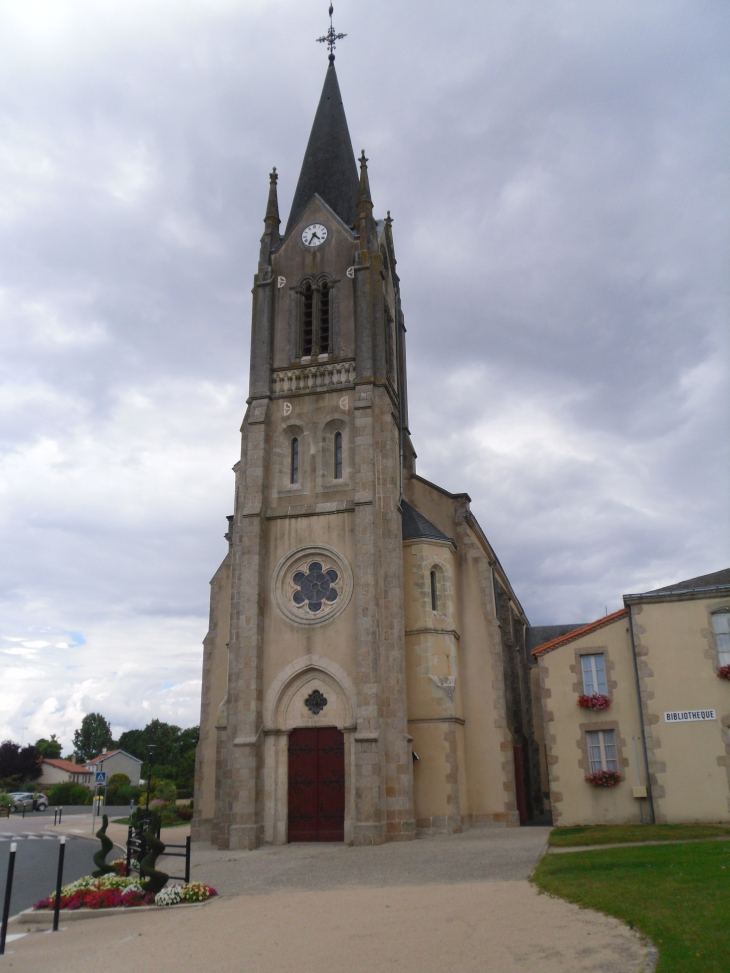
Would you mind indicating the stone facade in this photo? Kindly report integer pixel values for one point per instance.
(349, 578)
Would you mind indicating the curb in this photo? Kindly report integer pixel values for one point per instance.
(44, 917)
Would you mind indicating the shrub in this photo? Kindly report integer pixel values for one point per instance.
(5, 800)
(68, 793)
(160, 790)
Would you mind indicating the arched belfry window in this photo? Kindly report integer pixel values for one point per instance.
(434, 595)
(316, 317)
(294, 467)
(338, 455)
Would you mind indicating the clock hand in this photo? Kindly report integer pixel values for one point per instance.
(314, 234)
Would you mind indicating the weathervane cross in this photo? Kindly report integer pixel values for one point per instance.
(331, 38)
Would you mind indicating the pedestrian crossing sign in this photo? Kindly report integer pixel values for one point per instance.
(101, 777)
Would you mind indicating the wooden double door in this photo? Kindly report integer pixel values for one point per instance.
(316, 784)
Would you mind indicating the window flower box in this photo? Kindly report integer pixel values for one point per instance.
(723, 672)
(604, 778)
(597, 701)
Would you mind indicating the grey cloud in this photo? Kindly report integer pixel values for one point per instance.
(557, 178)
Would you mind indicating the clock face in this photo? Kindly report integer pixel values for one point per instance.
(314, 235)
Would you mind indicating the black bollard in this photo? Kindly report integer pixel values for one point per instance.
(8, 892)
(187, 859)
(59, 882)
(60, 814)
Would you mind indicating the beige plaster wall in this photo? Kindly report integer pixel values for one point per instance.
(434, 687)
(484, 760)
(573, 800)
(690, 762)
(54, 775)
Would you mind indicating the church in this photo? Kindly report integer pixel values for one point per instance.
(365, 672)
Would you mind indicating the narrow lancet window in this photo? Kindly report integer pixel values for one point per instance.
(324, 318)
(307, 319)
(434, 606)
(338, 455)
(294, 473)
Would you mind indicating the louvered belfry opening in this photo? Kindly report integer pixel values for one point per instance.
(324, 318)
(307, 319)
(315, 317)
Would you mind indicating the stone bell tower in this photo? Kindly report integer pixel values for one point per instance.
(307, 609)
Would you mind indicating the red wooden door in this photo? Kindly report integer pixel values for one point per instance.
(520, 785)
(316, 784)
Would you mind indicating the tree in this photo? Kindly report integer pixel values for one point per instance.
(174, 755)
(94, 735)
(50, 749)
(19, 764)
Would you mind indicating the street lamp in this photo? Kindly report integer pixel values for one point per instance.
(150, 748)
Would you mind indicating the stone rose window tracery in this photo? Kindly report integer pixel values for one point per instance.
(315, 587)
(312, 585)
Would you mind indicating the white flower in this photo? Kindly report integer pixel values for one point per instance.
(171, 895)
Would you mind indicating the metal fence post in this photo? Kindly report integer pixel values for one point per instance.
(142, 853)
(130, 832)
(59, 882)
(8, 892)
(187, 859)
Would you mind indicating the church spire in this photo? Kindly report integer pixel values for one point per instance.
(329, 167)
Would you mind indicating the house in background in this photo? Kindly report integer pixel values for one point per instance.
(642, 695)
(57, 771)
(116, 762)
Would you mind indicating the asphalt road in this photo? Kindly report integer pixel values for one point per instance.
(36, 860)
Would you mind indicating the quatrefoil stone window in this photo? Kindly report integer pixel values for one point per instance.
(315, 702)
(312, 585)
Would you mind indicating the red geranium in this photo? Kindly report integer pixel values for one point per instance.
(596, 701)
(724, 672)
(604, 778)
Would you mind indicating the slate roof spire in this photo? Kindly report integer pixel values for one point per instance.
(329, 167)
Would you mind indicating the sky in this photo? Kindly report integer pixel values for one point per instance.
(557, 175)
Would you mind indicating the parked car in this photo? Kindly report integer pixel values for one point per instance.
(31, 802)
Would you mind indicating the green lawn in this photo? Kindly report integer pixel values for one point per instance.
(607, 834)
(678, 895)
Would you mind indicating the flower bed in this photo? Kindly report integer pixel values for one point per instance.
(724, 672)
(604, 778)
(113, 891)
(597, 701)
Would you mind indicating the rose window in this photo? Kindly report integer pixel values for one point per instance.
(315, 587)
(312, 585)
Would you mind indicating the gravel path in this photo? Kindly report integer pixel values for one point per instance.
(429, 906)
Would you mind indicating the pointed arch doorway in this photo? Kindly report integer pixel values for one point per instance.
(316, 784)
